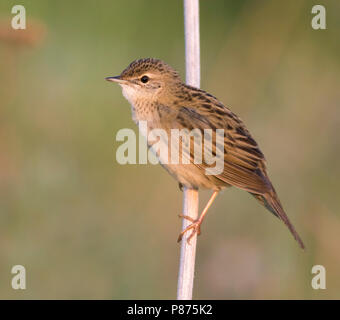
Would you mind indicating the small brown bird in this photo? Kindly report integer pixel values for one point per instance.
(159, 97)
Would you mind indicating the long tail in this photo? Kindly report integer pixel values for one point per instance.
(273, 204)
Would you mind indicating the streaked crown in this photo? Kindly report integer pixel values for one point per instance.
(140, 67)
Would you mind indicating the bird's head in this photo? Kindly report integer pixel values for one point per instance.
(146, 79)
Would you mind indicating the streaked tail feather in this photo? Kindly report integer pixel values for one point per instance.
(272, 203)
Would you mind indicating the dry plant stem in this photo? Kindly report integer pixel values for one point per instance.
(190, 196)
(188, 250)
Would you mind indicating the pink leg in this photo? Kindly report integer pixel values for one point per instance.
(196, 224)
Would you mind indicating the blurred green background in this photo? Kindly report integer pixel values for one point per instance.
(86, 227)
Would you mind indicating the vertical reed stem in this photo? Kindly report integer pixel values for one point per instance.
(190, 196)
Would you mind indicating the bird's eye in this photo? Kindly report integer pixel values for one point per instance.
(144, 79)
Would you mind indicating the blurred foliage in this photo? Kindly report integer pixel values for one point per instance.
(86, 227)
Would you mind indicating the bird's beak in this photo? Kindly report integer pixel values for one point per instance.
(116, 79)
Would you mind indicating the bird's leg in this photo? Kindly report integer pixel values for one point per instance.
(196, 224)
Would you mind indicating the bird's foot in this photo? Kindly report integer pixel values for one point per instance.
(195, 226)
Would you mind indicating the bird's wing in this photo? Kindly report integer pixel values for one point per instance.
(244, 163)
